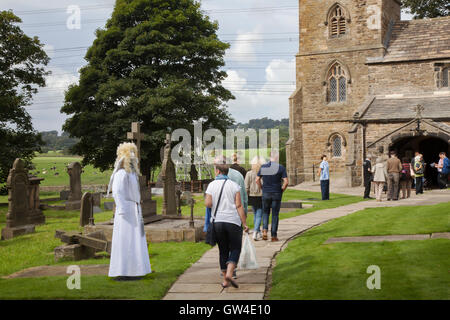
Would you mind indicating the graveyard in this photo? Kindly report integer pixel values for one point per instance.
(36, 252)
(330, 119)
(169, 259)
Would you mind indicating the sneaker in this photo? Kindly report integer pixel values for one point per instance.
(255, 235)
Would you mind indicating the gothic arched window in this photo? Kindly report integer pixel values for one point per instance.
(445, 76)
(336, 146)
(337, 22)
(337, 84)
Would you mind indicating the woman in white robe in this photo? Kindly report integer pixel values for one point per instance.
(129, 252)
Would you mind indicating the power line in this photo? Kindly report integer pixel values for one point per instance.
(98, 7)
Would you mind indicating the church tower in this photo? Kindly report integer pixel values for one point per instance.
(337, 38)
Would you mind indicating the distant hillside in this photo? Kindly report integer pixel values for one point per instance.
(263, 123)
(53, 142)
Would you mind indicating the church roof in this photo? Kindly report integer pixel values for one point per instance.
(403, 108)
(419, 40)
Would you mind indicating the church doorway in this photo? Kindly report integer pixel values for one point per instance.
(429, 146)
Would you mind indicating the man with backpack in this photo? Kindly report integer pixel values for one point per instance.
(419, 170)
(405, 178)
(443, 170)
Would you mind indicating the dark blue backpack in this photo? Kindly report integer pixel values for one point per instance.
(446, 166)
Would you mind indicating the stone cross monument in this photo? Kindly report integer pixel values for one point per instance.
(17, 218)
(74, 200)
(168, 176)
(148, 205)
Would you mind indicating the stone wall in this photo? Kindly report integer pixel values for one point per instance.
(402, 78)
(367, 25)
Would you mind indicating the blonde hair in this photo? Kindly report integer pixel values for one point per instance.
(256, 163)
(128, 152)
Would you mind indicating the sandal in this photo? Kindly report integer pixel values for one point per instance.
(225, 286)
(233, 283)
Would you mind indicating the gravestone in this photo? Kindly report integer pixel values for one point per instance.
(96, 200)
(108, 205)
(159, 180)
(193, 173)
(64, 195)
(74, 200)
(17, 218)
(87, 209)
(36, 216)
(168, 175)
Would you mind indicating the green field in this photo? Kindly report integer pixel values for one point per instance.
(59, 176)
(309, 269)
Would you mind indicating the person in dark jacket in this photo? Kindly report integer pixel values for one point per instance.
(367, 170)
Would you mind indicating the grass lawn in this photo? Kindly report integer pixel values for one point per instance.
(168, 259)
(308, 269)
(90, 175)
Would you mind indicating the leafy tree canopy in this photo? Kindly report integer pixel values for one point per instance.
(22, 62)
(427, 8)
(157, 62)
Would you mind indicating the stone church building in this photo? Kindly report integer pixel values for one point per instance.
(367, 83)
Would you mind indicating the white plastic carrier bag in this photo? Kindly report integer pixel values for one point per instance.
(247, 259)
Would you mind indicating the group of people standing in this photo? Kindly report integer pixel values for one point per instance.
(227, 199)
(399, 175)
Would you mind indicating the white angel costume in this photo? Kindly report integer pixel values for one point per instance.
(129, 252)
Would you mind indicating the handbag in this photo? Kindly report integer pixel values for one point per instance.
(211, 234)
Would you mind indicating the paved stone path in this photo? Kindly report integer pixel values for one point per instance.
(202, 280)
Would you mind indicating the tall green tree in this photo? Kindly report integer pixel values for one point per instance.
(157, 62)
(427, 8)
(22, 70)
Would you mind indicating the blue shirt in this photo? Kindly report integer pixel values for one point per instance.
(446, 166)
(237, 177)
(272, 174)
(325, 172)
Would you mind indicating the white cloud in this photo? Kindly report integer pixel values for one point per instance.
(266, 99)
(46, 106)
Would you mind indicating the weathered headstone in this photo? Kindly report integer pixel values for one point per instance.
(87, 209)
(36, 216)
(193, 173)
(96, 200)
(108, 205)
(64, 195)
(168, 175)
(74, 200)
(17, 218)
(79, 246)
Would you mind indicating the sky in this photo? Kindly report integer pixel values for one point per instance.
(263, 35)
